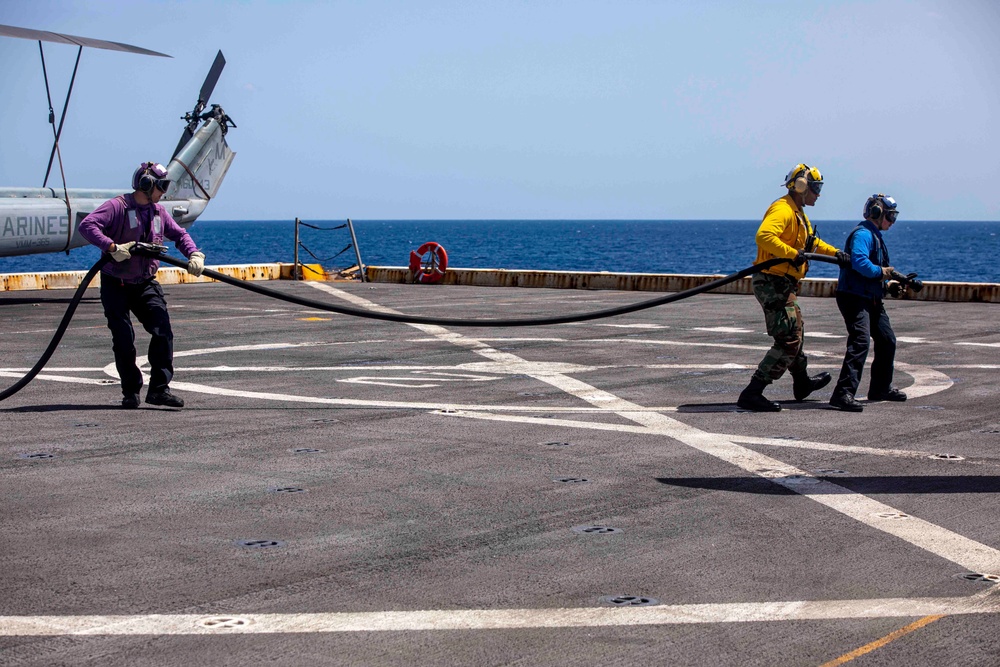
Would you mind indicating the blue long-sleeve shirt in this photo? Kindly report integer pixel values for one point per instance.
(868, 256)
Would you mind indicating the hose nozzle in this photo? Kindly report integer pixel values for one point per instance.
(909, 280)
(149, 248)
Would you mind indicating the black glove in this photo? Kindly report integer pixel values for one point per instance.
(894, 289)
(843, 259)
(800, 259)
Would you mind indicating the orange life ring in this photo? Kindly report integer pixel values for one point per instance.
(428, 263)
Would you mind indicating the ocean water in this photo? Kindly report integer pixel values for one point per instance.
(949, 251)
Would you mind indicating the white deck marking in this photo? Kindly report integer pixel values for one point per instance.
(937, 381)
(53, 378)
(701, 367)
(34, 331)
(502, 340)
(265, 346)
(723, 329)
(420, 381)
(496, 619)
(360, 403)
(951, 546)
(635, 428)
(971, 554)
(679, 343)
(56, 369)
(828, 447)
(926, 381)
(223, 319)
(504, 363)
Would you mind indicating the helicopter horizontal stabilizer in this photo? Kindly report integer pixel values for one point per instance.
(60, 38)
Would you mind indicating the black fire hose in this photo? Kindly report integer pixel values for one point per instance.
(391, 317)
(60, 330)
(908, 280)
(829, 259)
(456, 322)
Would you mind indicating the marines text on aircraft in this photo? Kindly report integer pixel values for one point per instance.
(45, 219)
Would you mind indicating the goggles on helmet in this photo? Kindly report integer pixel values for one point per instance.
(156, 170)
(891, 216)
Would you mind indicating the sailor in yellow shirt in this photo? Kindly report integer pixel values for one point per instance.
(786, 232)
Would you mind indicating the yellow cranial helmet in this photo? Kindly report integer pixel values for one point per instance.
(803, 177)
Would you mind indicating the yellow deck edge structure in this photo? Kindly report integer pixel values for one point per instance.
(166, 276)
(661, 282)
(603, 280)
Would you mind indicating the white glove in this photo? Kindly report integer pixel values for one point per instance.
(196, 263)
(121, 252)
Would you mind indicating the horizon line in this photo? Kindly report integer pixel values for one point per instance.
(559, 220)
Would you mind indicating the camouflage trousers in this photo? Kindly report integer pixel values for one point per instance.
(776, 295)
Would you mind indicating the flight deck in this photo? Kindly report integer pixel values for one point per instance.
(340, 490)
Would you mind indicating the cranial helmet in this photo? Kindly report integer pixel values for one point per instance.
(803, 177)
(150, 175)
(879, 205)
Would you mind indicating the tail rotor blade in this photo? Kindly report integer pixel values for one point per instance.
(203, 97)
(211, 79)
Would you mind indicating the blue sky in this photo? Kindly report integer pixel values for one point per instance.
(563, 110)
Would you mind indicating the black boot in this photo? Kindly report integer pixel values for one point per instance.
(165, 398)
(753, 399)
(803, 385)
(846, 402)
(891, 394)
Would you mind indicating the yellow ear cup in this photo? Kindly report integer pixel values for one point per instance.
(797, 178)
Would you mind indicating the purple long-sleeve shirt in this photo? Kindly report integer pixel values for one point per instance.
(121, 220)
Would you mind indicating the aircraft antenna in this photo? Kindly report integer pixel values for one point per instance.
(56, 133)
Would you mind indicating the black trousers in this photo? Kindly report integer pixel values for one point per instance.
(865, 318)
(146, 301)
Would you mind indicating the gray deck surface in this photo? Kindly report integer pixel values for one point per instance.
(435, 523)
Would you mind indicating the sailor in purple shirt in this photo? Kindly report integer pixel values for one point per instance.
(128, 284)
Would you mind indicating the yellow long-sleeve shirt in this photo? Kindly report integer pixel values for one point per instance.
(782, 233)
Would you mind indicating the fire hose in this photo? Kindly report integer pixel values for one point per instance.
(157, 253)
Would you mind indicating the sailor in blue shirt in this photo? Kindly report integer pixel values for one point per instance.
(860, 292)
